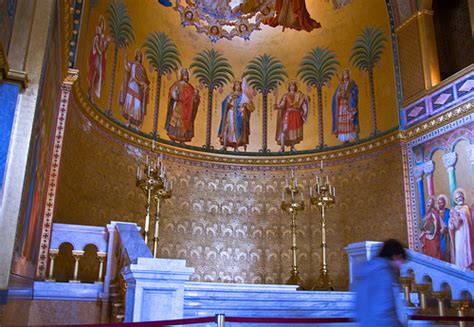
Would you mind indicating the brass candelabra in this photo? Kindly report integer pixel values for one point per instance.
(292, 206)
(153, 181)
(323, 195)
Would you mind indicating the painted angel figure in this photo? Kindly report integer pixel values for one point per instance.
(292, 14)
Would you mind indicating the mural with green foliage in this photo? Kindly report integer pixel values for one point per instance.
(316, 70)
(213, 71)
(162, 54)
(264, 74)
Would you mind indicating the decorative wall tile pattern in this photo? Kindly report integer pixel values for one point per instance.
(226, 222)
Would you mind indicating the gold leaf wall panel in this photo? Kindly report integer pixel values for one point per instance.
(226, 220)
(411, 59)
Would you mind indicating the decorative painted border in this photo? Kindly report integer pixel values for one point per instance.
(54, 173)
(449, 93)
(76, 29)
(396, 58)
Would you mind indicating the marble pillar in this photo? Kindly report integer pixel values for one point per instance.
(155, 289)
(418, 172)
(470, 153)
(428, 169)
(26, 53)
(449, 161)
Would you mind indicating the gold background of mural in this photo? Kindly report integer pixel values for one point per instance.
(339, 31)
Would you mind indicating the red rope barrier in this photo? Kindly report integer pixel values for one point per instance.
(188, 321)
(441, 318)
(287, 320)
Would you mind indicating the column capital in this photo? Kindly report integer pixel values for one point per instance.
(77, 253)
(449, 159)
(428, 167)
(470, 152)
(418, 172)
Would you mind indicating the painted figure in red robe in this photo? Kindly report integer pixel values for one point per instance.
(182, 108)
(292, 114)
(292, 14)
(97, 60)
(431, 229)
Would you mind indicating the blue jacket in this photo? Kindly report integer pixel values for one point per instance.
(375, 297)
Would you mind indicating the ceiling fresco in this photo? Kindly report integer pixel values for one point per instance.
(240, 77)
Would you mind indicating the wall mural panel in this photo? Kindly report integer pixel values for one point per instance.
(132, 56)
(443, 185)
(226, 220)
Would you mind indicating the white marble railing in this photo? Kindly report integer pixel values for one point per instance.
(424, 269)
(79, 237)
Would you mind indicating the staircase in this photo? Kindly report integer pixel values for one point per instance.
(430, 286)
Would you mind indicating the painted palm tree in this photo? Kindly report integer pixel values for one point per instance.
(316, 70)
(366, 53)
(213, 71)
(264, 74)
(122, 35)
(163, 56)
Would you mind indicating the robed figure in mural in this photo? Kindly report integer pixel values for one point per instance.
(234, 128)
(97, 60)
(134, 94)
(462, 232)
(183, 105)
(431, 229)
(345, 109)
(292, 14)
(445, 240)
(293, 111)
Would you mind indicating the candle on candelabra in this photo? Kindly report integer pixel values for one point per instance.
(302, 196)
(311, 191)
(296, 182)
(138, 172)
(292, 173)
(319, 189)
(286, 181)
(148, 169)
(171, 184)
(152, 145)
(322, 165)
(147, 160)
(327, 179)
(334, 191)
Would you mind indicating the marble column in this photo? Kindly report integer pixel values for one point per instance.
(77, 256)
(418, 172)
(449, 161)
(470, 153)
(428, 169)
(53, 253)
(26, 53)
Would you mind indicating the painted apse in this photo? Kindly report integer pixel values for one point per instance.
(343, 71)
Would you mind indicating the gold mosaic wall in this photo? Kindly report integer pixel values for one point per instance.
(225, 220)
